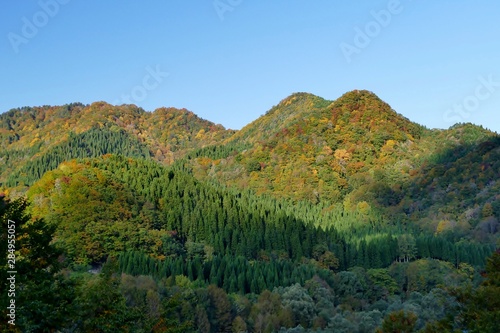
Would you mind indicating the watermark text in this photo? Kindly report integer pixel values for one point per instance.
(11, 266)
(150, 82)
(372, 29)
(224, 6)
(471, 103)
(31, 27)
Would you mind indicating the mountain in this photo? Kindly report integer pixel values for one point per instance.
(356, 110)
(360, 153)
(37, 139)
(355, 152)
(308, 148)
(288, 112)
(318, 216)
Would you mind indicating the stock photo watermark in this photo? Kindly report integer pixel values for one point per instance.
(224, 6)
(30, 27)
(371, 30)
(11, 272)
(471, 103)
(150, 82)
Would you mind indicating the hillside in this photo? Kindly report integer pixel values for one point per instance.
(357, 110)
(318, 216)
(360, 153)
(37, 139)
(355, 151)
(308, 148)
(181, 253)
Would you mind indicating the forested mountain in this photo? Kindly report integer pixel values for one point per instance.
(358, 152)
(324, 216)
(37, 139)
(310, 148)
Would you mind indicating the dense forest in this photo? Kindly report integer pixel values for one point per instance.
(320, 216)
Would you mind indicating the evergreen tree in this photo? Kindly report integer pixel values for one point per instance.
(44, 299)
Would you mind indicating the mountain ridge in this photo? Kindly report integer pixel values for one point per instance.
(355, 151)
(328, 212)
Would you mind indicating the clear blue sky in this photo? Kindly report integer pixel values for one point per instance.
(231, 64)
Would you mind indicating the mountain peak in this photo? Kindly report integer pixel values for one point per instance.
(297, 96)
(364, 109)
(289, 111)
(355, 97)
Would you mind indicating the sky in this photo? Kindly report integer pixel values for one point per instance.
(229, 61)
